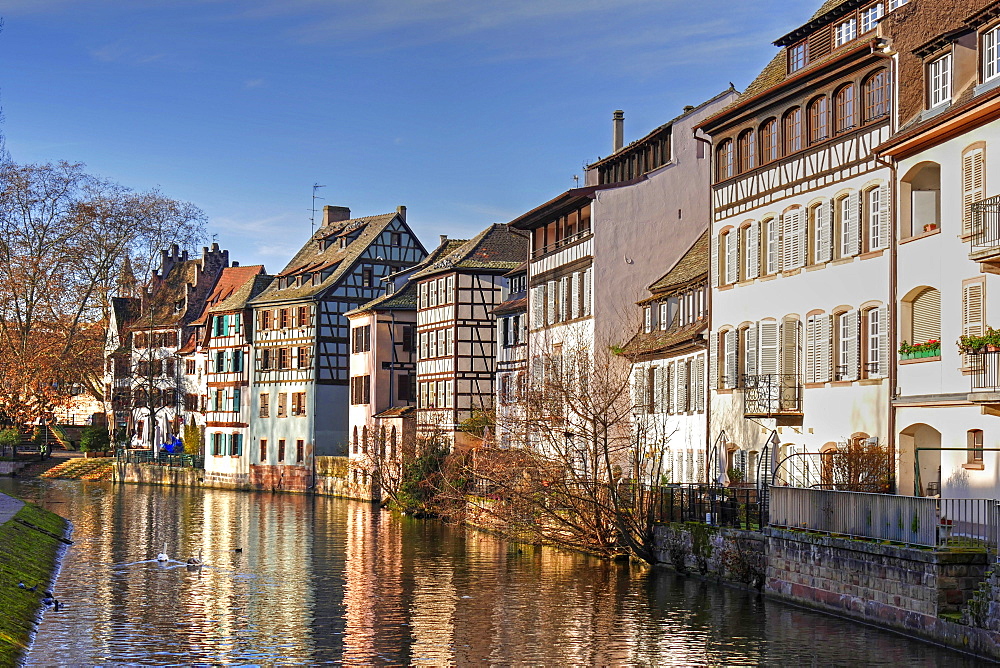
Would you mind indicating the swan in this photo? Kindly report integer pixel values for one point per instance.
(195, 561)
(162, 556)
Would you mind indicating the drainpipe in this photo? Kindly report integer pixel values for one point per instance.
(893, 264)
(708, 304)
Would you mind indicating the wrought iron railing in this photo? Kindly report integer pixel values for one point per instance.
(160, 458)
(736, 507)
(920, 521)
(985, 367)
(985, 224)
(772, 394)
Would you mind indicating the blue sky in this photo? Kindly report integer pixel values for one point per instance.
(469, 112)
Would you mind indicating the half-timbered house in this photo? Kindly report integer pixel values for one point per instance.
(225, 346)
(512, 360)
(301, 382)
(668, 368)
(800, 261)
(456, 333)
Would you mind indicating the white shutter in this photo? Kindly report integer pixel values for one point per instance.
(750, 351)
(884, 223)
(732, 359)
(811, 327)
(699, 397)
(713, 361)
(926, 315)
(732, 257)
(767, 343)
(538, 307)
(450, 296)
(973, 313)
(852, 362)
(656, 400)
(824, 231)
(588, 284)
(790, 347)
(801, 237)
(713, 266)
(753, 250)
(824, 324)
(551, 295)
(883, 341)
(973, 185)
(786, 260)
(675, 394)
(565, 308)
(575, 296)
(638, 388)
(853, 224)
(683, 405)
(773, 247)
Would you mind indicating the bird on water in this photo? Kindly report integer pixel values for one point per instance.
(162, 556)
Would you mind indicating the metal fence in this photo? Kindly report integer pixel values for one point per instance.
(160, 458)
(985, 371)
(985, 224)
(736, 507)
(919, 521)
(772, 394)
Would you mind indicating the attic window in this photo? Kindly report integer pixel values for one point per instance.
(797, 56)
(344, 241)
(178, 306)
(870, 17)
(845, 32)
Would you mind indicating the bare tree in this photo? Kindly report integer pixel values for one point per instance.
(860, 465)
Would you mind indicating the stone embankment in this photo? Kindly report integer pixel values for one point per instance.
(31, 544)
(82, 469)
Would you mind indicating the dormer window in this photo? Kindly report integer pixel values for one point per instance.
(939, 81)
(893, 4)
(870, 17)
(991, 54)
(797, 56)
(178, 306)
(845, 32)
(344, 241)
(648, 317)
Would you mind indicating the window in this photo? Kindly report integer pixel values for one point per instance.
(769, 141)
(361, 339)
(302, 357)
(298, 403)
(281, 449)
(797, 56)
(924, 311)
(876, 342)
(284, 358)
(360, 390)
(870, 16)
(220, 361)
(793, 131)
(846, 110)
(265, 405)
(284, 318)
(750, 243)
(845, 32)
(819, 127)
(647, 313)
(664, 318)
(265, 359)
(769, 238)
(973, 311)
(236, 445)
(893, 4)
(265, 319)
(847, 346)
(304, 316)
(282, 404)
(877, 95)
(406, 387)
(973, 184)
(263, 449)
(920, 199)
(974, 438)
(874, 214)
(216, 444)
(991, 54)
(300, 451)
(236, 400)
(847, 226)
(367, 278)
(820, 233)
(724, 161)
(939, 81)
(747, 151)
(395, 239)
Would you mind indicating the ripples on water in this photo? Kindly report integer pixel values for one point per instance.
(321, 580)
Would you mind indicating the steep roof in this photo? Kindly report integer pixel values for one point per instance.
(691, 266)
(124, 309)
(519, 304)
(172, 289)
(662, 341)
(250, 288)
(231, 281)
(497, 248)
(328, 256)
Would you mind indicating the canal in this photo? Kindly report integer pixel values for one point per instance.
(296, 580)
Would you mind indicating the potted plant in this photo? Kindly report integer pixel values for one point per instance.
(930, 348)
(94, 441)
(930, 227)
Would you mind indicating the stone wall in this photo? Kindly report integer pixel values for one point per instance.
(728, 554)
(9, 468)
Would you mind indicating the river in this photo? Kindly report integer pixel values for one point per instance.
(298, 580)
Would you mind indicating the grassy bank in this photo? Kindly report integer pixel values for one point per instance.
(26, 555)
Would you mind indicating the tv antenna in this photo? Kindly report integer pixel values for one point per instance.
(312, 218)
(576, 180)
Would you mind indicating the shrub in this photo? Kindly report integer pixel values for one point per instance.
(95, 439)
(10, 437)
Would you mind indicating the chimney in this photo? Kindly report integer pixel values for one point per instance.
(236, 264)
(335, 214)
(401, 212)
(444, 238)
(618, 129)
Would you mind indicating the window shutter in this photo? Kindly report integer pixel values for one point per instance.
(699, 397)
(773, 247)
(883, 341)
(450, 296)
(638, 389)
(811, 327)
(750, 351)
(588, 283)
(973, 185)
(669, 373)
(784, 252)
(824, 231)
(682, 388)
(790, 342)
(565, 309)
(927, 313)
(550, 303)
(753, 249)
(713, 361)
(853, 361)
(537, 307)
(800, 224)
(853, 224)
(824, 326)
(767, 342)
(732, 257)
(575, 296)
(657, 389)
(884, 224)
(713, 268)
(732, 358)
(675, 388)
(973, 313)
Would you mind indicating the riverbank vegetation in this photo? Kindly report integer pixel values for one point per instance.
(29, 551)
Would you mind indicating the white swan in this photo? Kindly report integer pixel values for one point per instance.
(162, 556)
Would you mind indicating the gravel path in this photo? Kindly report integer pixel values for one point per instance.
(8, 507)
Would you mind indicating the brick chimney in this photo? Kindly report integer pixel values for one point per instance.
(401, 212)
(618, 130)
(335, 214)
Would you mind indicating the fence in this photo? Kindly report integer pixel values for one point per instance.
(160, 458)
(985, 371)
(736, 507)
(919, 521)
(985, 224)
(772, 394)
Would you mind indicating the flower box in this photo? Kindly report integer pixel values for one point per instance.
(917, 354)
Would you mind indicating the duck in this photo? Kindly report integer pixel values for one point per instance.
(162, 556)
(195, 561)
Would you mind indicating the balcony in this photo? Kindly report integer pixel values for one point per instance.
(985, 239)
(985, 377)
(773, 396)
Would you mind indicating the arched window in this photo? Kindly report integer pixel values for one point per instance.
(819, 124)
(724, 161)
(769, 141)
(354, 440)
(846, 111)
(364, 439)
(793, 131)
(922, 314)
(920, 200)
(876, 92)
(747, 151)
(974, 441)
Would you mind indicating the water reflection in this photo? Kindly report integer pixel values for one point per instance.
(298, 580)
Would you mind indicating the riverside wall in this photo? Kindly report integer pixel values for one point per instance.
(950, 597)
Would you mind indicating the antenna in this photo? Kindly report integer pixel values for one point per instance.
(576, 180)
(312, 218)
